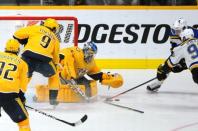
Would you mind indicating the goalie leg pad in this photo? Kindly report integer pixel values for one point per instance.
(90, 86)
(112, 80)
(65, 93)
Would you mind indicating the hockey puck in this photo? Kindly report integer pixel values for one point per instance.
(116, 99)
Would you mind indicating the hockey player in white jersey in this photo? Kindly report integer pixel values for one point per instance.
(187, 50)
(175, 40)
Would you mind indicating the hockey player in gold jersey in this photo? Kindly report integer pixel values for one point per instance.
(79, 62)
(41, 52)
(13, 81)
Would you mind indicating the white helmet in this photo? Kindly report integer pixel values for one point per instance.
(187, 34)
(179, 24)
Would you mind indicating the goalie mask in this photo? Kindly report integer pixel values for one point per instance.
(89, 49)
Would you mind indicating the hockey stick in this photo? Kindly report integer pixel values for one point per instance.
(75, 88)
(82, 120)
(125, 107)
(107, 99)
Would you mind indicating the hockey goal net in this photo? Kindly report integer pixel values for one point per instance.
(67, 34)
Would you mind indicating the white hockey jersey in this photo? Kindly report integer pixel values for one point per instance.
(187, 50)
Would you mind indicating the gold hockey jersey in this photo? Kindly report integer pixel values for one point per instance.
(74, 65)
(13, 73)
(40, 40)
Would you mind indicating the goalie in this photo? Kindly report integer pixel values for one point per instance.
(77, 63)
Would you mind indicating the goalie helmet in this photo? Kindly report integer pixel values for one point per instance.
(187, 34)
(51, 24)
(12, 46)
(179, 25)
(89, 49)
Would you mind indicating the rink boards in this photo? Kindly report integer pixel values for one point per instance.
(126, 36)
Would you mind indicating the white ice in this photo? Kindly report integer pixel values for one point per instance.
(173, 108)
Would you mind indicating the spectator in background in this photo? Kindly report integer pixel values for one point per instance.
(69, 2)
(100, 2)
(186, 2)
(168, 2)
(96, 2)
(80, 2)
(130, 2)
(61, 2)
(22, 2)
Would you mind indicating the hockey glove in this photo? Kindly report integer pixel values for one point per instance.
(163, 71)
(112, 80)
(180, 66)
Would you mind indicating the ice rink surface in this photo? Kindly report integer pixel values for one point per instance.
(173, 108)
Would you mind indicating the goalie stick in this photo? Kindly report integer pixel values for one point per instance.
(82, 120)
(75, 88)
(125, 107)
(107, 99)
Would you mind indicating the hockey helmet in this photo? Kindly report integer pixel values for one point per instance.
(90, 50)
(179, 25)
(51, 24)
(187, 34)
(12, 45)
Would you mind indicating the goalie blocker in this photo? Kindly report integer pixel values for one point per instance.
(66, 94)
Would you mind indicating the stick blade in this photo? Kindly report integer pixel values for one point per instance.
(82, 120)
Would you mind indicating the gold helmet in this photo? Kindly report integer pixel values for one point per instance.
(51, 23)
(12, 45)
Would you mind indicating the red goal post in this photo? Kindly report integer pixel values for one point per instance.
(69, 31)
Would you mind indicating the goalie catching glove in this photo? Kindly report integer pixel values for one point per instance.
(112, 80)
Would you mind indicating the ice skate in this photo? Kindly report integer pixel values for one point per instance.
(153, 87)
